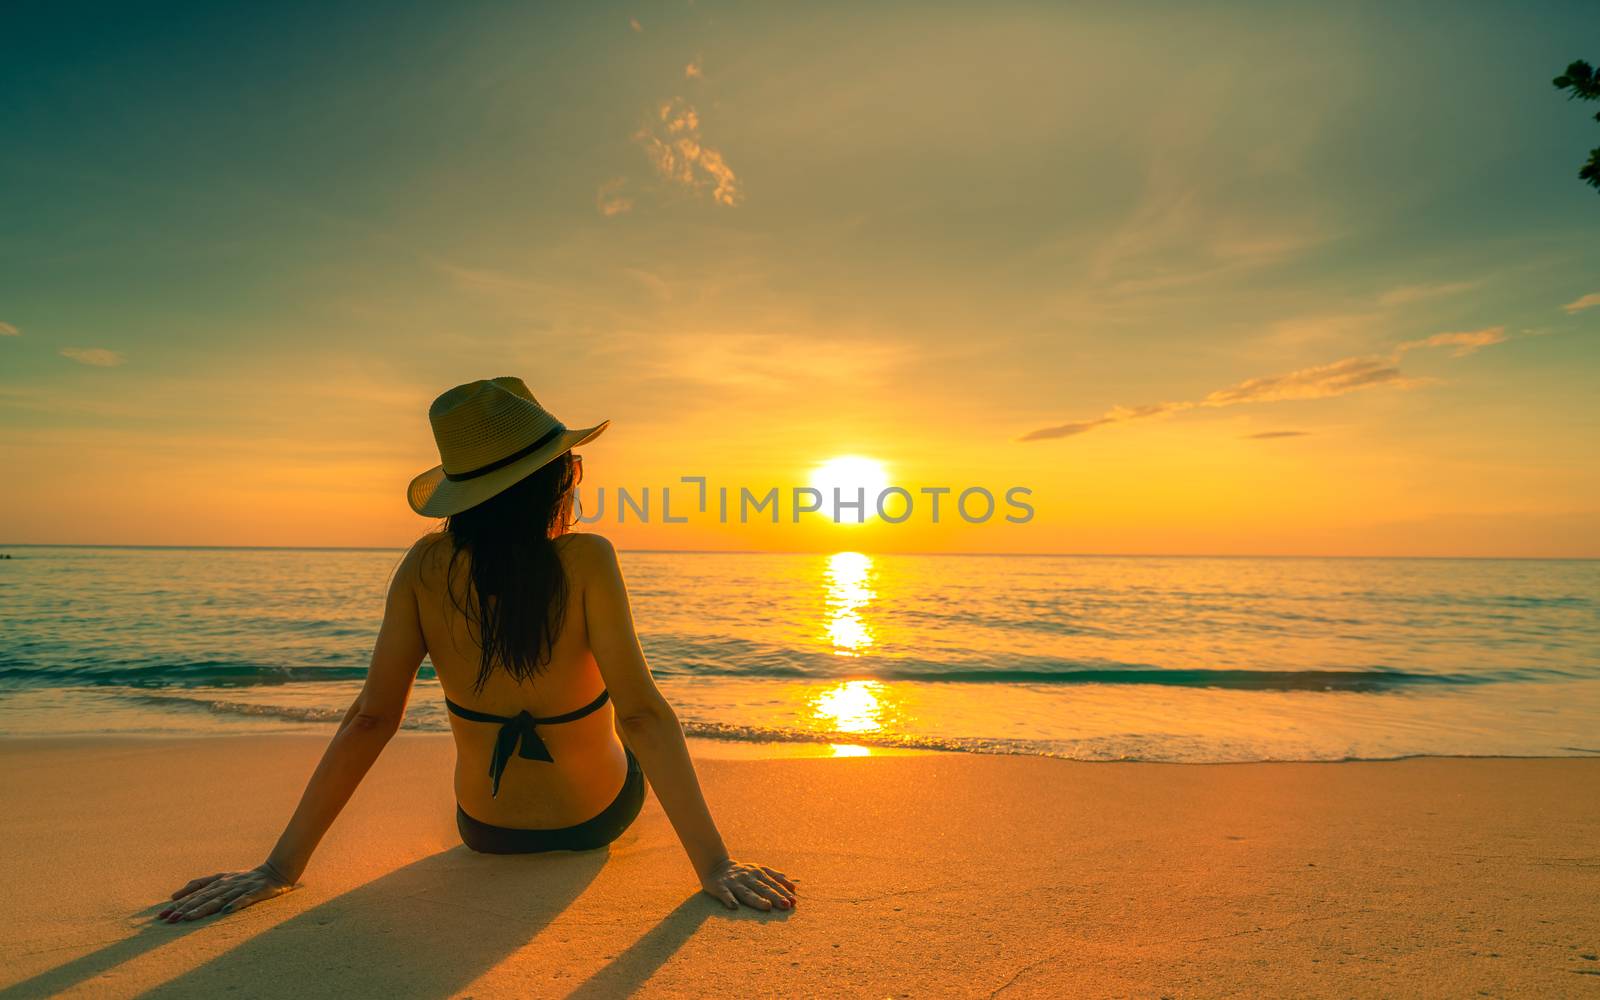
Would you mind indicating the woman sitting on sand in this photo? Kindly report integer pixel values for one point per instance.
(556, 718)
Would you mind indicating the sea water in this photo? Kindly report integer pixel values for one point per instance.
(1095, 658)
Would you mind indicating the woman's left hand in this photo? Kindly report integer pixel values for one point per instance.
(227, 891)
(756, 886)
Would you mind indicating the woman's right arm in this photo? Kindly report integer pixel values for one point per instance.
(652, 730)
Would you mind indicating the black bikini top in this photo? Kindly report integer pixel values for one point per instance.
(519, 729)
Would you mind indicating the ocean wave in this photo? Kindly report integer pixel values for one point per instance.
(1380, 679)
(197, 673)
(428, 718)
(214, 673)
(1168, 748)
(288, 713)
(1240, 680)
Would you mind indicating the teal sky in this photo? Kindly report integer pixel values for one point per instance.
(240, 250)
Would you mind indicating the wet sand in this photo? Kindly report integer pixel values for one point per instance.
(921, 876)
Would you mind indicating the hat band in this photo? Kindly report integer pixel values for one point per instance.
(555, 432)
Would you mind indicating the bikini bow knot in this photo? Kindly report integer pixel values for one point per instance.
(519, 735)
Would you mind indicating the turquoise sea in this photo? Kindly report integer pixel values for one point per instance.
(1099, 658)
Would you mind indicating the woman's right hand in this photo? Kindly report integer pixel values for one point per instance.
(227, 891)
(756, 886)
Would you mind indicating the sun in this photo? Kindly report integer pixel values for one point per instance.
(854, 477)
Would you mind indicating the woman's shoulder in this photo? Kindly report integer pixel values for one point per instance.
(428, 554)
(583, 553)
(586, 548)
(433, 541)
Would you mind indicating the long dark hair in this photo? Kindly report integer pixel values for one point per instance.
(517, 599)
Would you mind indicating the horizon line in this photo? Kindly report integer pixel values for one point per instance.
(813, 552)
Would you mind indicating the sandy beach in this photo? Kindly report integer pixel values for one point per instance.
(921, 876)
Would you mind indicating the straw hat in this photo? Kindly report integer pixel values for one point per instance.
(491, 434)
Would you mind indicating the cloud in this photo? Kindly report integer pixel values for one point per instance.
(1338, 378)
(1313, 331)
(1587, 301)
(695, 71)
(1187, 229)
(633, 22)
(1119, 413)
(96, 357)
(609, 202)
(1317, 382)
(7, 330)
(1063, 430)
(727, 191)
(675, 148)
(1464, 343)
(1265, 435)
(1406, 294)
(656, 285)
(1115, 415)
(1176, 238)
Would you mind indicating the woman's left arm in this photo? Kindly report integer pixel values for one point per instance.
(365, 731)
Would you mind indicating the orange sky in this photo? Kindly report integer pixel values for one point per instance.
(1216, 309)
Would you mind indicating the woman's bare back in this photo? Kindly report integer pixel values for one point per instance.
(596, 673)
(589, 764)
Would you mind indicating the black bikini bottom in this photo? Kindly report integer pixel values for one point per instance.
(586, 836)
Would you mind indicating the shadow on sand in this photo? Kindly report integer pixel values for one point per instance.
(629, 970)
(428, 929)
(394, 936)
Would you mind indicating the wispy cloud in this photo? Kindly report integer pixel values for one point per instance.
(1175, 237)
(1063, 430)
(1317, 382)
(678, 152)
(633, 22)
(608, 199)
(482, 279)
(1115, 415)
(1186, 229)
(1407, 294)
(1580, 304)
(7, 330)
(656, 285)
(1466, 343)
(1339, 378)
(1267, 435)
(97, 357)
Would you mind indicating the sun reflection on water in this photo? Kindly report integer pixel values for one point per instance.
(850, 707)
(848, 579)
(855, 706)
